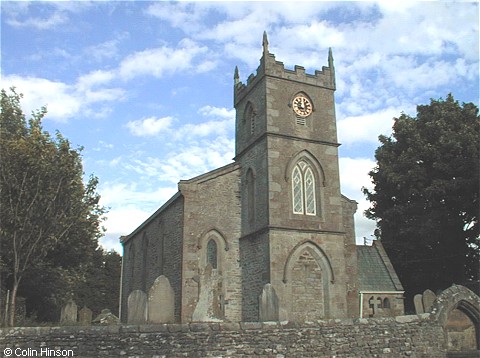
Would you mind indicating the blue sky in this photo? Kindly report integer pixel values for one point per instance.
(147, 87)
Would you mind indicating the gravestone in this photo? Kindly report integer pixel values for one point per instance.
(106, 317)
(268, 304)
(161, 301)
(428, 298)
(418, 303)
(85, 316)
(68, 313)
(137, 307)
(211, 300)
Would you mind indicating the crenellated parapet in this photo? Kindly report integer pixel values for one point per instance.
(269, 66)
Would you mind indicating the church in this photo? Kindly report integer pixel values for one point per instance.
(269, 236)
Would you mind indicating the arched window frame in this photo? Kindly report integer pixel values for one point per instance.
(386, 303)
(249, 117)
(318, 175)
(221, 246)
(304, 197)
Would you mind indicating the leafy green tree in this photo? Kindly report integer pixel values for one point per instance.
(101, 287)
(426, 192)
(49, 216)
(95, 284)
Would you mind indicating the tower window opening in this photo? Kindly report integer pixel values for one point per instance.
(303, 189)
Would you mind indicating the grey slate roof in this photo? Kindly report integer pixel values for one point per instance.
(376, 272)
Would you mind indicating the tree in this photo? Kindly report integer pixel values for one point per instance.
(426, 192)
(95, 284)
(49, 216)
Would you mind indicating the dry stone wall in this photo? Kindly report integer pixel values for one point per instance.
(407, 336)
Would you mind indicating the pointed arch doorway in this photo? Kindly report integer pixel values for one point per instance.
(308, 275)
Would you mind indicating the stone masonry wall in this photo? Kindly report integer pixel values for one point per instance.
(405, 336)
(155, 249)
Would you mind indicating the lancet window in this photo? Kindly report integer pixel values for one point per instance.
(212, 253)
(303, 189)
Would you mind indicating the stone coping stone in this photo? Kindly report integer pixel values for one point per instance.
(229, 326)
(130, 328)
(251, 326)
(210, 326)
(178, 327)
(152, 328)
(270, 325)
(200, 327)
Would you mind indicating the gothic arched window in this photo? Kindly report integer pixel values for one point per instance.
(249, 117)
(212, 253)
(303, 189)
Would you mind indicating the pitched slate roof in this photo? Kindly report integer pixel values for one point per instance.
(376, 272)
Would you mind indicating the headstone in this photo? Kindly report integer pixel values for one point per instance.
(428, 298)
(418, 303)
(211, 301)
(85, 316)
(106, 317)
(68, 313)
(137, 307)
(161, 301)
(268, 304)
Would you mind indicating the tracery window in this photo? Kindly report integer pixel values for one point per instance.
(251, 196)
(212, 253)
(303, 189)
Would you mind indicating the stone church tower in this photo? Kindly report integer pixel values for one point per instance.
(269, 236)
(297, 228)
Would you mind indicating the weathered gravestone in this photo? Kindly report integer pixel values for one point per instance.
(418, 303)
(268, 304)
(106, 317)
(161, 301)
(428, 298)
(211, 303)
(68, 314)
(137, 307)
(85, 316)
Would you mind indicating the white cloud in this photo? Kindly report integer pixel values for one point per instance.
(187, 160)
(94, 78)
(151, 126)
(107, 49)
(212, 127)
(62, 100)
(367, 127)
(217, 112)
(128, 195)
(39, 23)
(185, 15)
(353, 177)
(165, 60)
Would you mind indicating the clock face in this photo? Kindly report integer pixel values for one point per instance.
(302, 106)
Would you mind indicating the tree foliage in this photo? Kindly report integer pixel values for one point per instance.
(50, 218)
(426, 192)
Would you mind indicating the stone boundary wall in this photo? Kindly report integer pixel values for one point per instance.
(403, 336)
